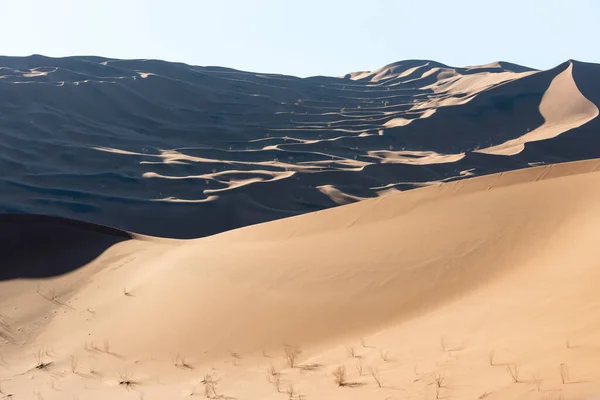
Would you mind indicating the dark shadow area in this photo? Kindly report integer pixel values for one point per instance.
(152, 147)
(36, 246)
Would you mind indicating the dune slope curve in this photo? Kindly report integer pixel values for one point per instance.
(563, 107)
(452, 279)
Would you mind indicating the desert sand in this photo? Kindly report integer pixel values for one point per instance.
(453, 283)
(277, 253)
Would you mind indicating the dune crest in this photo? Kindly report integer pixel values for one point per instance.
(563, 108)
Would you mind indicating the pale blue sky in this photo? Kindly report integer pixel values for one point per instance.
(306, 37)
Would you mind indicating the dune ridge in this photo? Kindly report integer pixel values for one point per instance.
(180, 151)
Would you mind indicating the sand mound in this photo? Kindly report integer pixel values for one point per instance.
(182, 151)
(455, 280)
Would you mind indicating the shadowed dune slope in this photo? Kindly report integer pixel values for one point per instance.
(174, 150)
(34, 246)
(505, 262)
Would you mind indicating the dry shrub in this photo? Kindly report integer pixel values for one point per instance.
(376, 376)
(291, 354)
(513, 371)
(564, 373)
(74, 362)
(210, 387)
(339, 376)
(274, 377)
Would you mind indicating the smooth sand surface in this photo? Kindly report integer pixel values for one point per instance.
(457, 283)
(180, 151)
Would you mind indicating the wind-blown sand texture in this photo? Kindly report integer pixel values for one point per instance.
(181, 151)
(480, 283)
(462, 279)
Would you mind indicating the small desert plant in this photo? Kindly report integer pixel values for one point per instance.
(568, 343)
(513, 370)
(443, 342)
(351, 352)
(438, 379)
(181, 363)
(236, 357)
(274, 377)
(363, 342)
(359, 366)
(564, 373)
(127, 292)
(40, 362)
(538, 382)
(127, 380)
(106, 345)
(50, 296)
(376, 376)
(74, 362)
(491, 357)
(290, 391)
(385, 355)
(339, 375)
(291, 354)
(210, 387)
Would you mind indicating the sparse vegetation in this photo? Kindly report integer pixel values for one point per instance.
(359, 366)
(513, 370)
(376, 376)
(236, 357)
(180, 362)
(385, 355)
(438, 379)
(50, 295)
(291, 354)
(274, 377)
(40, 362)
(339, 376)
(538, 382)
(564, 373)
(443, 342)
(290, 391)
(74, 361)
(351, 352)
(210, 387)
(127, 380)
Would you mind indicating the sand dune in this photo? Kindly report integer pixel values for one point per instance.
(438, 281)
(563, 108)
(181, 151)
(280, 218)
